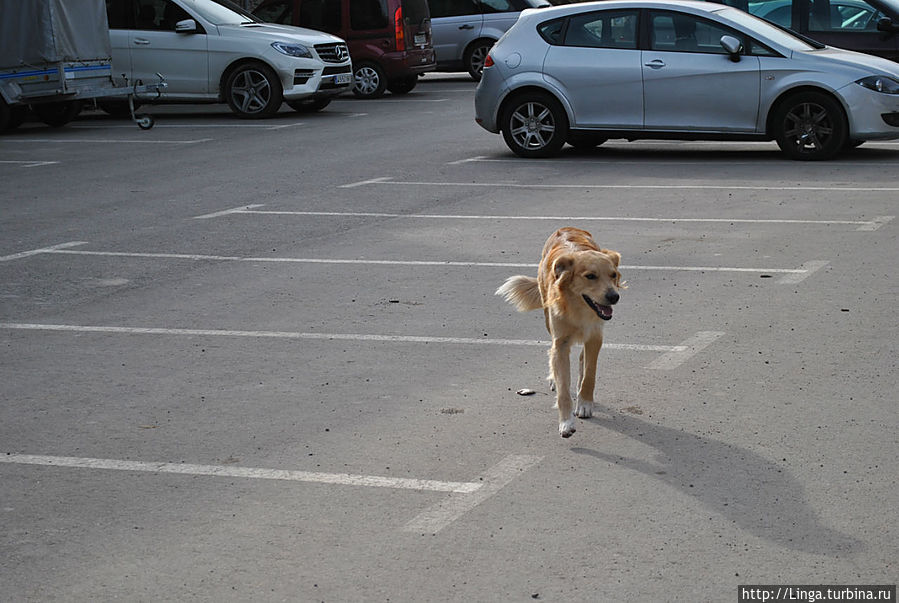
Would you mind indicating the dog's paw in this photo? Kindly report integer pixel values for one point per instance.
(567, 428)
(584, 409)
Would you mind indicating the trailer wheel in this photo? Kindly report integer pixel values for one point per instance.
(57, 114)
(144, 122)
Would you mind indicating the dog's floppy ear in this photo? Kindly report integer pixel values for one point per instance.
(614, 255)
(562, 268)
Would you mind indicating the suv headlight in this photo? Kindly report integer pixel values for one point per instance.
(294, 50)
(880, 83)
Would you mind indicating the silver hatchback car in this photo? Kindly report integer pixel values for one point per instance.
(679, 69)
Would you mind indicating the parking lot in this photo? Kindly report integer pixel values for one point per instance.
(263, 360)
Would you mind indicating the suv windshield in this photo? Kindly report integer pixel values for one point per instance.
(221, 12)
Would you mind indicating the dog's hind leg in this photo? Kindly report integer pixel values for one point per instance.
(587, 380)
(560, 365)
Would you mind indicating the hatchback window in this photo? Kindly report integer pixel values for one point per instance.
(323, 15)
(680, 32)
(603, 30)
(368, 14)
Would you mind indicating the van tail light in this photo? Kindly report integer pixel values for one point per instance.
(488, 62)
(400, 30)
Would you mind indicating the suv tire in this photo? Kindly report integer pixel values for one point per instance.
(253, 91)
(474, 58)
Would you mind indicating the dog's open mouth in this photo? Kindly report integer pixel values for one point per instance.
(604, 312)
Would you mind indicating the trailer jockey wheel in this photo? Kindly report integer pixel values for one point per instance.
(144, 122)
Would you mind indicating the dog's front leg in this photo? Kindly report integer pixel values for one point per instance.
(560, 366)
(588, 360)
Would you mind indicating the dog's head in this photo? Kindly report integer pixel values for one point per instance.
(587, 280)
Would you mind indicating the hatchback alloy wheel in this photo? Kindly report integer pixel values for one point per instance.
(535, 126)
(811, 126)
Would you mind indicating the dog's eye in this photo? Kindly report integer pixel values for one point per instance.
(614, 275)
(590, 276)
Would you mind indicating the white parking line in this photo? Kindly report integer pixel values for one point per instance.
(110, 141)
(802, 272)
(688, 349)
(868, 225)
(716, 187)
(807, 269)
(120, 330)
(447, 511)
(344, 479)
(649, 161)
(29, 164)
(50, 249)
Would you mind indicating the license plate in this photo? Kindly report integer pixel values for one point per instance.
(343, 78)
(420, 39)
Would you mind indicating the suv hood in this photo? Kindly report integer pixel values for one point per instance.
(277, 33)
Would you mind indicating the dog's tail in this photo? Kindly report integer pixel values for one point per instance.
(522, 292)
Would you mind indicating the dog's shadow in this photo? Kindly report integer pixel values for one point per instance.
(760, 496)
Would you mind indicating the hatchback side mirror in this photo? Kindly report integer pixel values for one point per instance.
(186, 26)
(886, 24)
(733, 46)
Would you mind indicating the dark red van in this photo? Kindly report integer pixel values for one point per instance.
(389, 40)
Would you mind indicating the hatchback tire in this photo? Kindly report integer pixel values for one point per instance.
(253, 91)
(810, 126)
(534, 124)
(371, 82)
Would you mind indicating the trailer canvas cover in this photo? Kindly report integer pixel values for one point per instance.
(37, 32)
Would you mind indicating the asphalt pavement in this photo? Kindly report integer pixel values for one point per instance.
(264, 361)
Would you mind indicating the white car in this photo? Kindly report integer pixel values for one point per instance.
(214, 51)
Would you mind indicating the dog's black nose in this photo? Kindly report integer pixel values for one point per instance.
(612, 297)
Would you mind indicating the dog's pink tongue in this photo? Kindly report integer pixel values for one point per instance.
(606, 310)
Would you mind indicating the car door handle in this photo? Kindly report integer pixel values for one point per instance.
(655, 63)
(142, 41)
(466, 26)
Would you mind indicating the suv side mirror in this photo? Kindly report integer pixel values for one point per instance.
(733, 46)
(186, 26)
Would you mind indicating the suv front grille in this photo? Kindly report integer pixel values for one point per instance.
(332, 53)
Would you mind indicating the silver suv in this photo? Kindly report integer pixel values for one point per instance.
(463, 31)
(214, 51)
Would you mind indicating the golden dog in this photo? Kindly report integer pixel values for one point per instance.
(577, 284)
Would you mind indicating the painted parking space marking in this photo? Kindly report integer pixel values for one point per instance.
(797, 274)
(385, 180)
(808, 269)
(867, 225)
(50, 249)
(776, 158)
(369, 337)
(443, 513)
(27, 163)
(346, 479)
(464, 496)
(689, 348)
(110, 141)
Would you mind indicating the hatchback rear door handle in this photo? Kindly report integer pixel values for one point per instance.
(141, 41)
(466, 26)
(655, 63)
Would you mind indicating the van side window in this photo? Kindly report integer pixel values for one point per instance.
(368, 14)
(779, 12)
(323, 15)
(842, 15)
